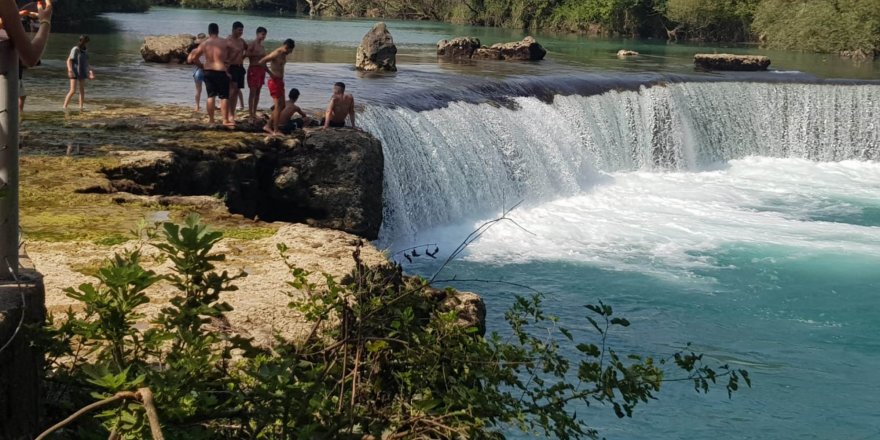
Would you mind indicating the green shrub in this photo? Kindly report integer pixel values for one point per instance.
(386, 356)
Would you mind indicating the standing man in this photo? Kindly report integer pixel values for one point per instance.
(256, 73)
(276, 61)
(216, 51)
(341, 106)
(237, 49)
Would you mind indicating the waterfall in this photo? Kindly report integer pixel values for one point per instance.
(465, 158)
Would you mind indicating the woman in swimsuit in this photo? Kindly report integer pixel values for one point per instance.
(78, 71)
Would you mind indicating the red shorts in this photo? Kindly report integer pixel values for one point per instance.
(276, 87)
(256, 76)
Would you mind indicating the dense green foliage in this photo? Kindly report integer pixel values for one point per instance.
(821, 25)
(386, 357)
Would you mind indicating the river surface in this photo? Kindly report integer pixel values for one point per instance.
(737, 212)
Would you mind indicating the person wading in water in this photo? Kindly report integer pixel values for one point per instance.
(78, 71)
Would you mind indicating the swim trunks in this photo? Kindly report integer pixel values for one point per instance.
(276, 87)
(199, 75)
(333, 124)
(237, 72)
(292, 125)
(217, 83)
(256, 76)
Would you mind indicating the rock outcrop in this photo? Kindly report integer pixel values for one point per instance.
(377, 52)
(460, 48)
(330, 179)
(724, 61)
(167, 48)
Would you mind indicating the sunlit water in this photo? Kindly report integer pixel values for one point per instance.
(741, 215)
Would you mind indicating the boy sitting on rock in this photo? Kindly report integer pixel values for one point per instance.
(289, 125)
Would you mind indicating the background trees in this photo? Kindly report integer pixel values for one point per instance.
(851, 26)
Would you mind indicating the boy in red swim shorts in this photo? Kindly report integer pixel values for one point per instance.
(275, 62)
(256, 74)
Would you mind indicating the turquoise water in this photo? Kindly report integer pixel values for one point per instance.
(789, 293)
(742, 215)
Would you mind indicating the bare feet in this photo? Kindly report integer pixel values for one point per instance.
(229, 124)
(268, 130)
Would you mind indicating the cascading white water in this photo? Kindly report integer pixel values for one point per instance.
(458, 162)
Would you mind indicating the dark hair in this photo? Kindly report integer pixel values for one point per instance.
(83, 40)
(237, 25)
(293, 95)
(341, 85)
(213, 29)
(262, 30)
(289, 43)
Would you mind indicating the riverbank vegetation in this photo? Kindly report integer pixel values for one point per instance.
(833, 26)
(388, 356)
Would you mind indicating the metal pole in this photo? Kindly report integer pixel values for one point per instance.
(8, 160)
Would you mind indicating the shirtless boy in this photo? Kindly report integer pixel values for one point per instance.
(237, 47)
(256, 73)
(216, 52)
(341, 106)
(288, 125)
(276, 61)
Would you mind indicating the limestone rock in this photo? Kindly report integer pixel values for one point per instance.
(463, 48)
(487, 53)
(377, 52)
(338, 179)
(471, 310)
(526, 50)
(167, 48)
(724, 61)
(622, 53)
(458, 48)
(331, 179)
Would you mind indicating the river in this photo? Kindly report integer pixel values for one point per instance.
(740, 212)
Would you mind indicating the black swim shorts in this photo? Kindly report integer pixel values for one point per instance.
(238, 73)
(217, 83)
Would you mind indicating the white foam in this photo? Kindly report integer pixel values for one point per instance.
(667, 223)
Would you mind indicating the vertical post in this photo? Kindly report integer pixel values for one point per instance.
(8, 160)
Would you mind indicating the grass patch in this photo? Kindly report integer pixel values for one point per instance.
(246, 233)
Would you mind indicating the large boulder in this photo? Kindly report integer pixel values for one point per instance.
(462, 48)
(335, 178)
(725, 61)
(526, 50)
(458, 48)
(167, 48)
(377, 52)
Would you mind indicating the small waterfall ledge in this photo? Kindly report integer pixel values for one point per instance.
(461, 159)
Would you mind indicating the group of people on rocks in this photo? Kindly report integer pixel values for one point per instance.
(219, 64)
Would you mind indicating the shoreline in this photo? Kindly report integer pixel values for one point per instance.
(69, 232)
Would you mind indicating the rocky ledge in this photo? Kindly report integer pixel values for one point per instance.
(325, 178)
(470, 48)
(725, 61)
(162, 163)
(329, 179)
